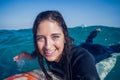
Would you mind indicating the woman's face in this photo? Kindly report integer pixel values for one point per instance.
(50, 40)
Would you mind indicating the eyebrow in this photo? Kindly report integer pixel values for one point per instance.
(56, 34)
(38, 36)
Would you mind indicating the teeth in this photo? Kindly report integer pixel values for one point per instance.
(50, 51)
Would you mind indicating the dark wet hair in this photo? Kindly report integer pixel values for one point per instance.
(57, 17)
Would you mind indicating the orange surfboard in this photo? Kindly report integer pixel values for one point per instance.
(36, 74)
(32, 75)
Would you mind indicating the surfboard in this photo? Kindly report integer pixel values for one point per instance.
(31, 75)
(106, 65)
(36, 74)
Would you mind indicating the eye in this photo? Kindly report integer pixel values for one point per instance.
(40, 38)
(56, 37)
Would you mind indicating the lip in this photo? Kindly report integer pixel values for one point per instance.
(50, 52)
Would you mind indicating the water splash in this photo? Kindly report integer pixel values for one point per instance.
(20, 64)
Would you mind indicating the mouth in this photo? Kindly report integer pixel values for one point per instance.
(50, 52)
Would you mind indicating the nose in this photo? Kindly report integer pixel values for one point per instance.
(48, 44)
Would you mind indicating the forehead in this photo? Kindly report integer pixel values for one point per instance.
(47, 26)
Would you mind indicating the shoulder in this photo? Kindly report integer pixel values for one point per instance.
(80, 56)
(80, 61)
(80, 52)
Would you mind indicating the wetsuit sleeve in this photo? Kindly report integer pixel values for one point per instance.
(83, 66)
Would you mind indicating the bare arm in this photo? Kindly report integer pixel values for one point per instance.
(22, 55)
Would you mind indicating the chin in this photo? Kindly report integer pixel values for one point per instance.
(50, 59)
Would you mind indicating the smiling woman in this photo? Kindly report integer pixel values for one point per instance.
(51, 40)
(54, 45)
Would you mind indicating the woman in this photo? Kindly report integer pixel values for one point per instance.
(53, 44)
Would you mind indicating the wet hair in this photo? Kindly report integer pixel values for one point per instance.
(57, 17)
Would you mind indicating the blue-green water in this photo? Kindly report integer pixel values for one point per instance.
(12, 42)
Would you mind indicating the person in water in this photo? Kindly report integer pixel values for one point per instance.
(54, 45)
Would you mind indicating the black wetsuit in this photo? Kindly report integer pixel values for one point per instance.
(99, 52)
(82, 62)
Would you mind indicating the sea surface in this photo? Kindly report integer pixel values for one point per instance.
(12, 42)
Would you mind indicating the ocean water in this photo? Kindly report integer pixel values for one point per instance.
(12, 42)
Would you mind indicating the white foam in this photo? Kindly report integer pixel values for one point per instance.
(20, 64)
(105, 66)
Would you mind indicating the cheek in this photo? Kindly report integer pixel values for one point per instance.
(60, 44)
(40, 46)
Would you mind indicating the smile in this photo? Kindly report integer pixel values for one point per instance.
(50, 52)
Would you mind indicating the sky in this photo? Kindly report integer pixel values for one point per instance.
(20, 14)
